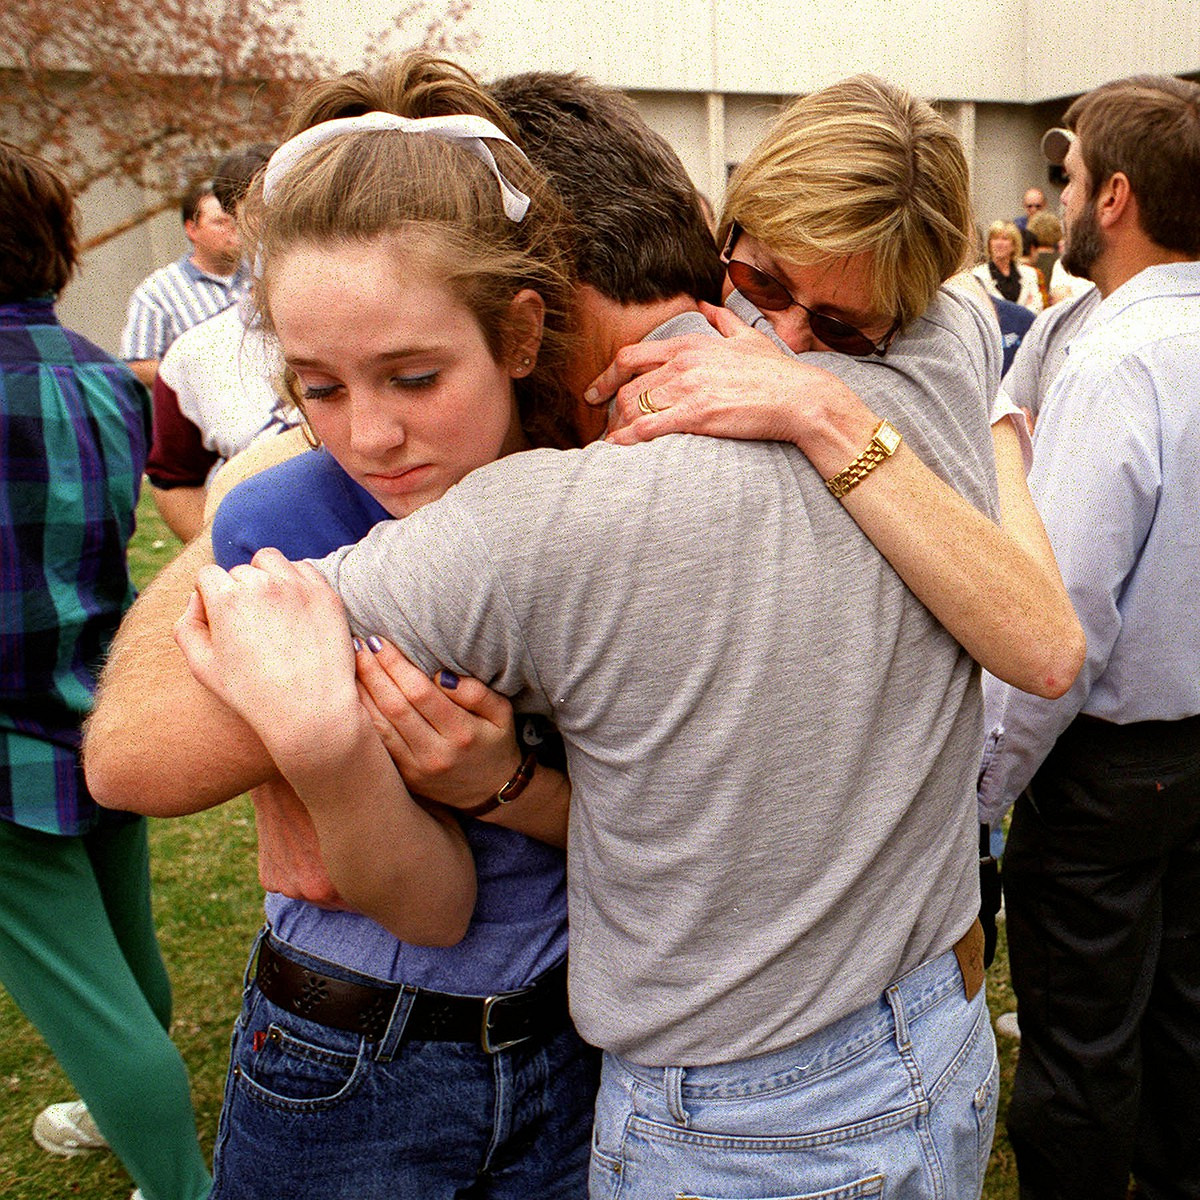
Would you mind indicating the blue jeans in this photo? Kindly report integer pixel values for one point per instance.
(897, 1099)
(314, 1112)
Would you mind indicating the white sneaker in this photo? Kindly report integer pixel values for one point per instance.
(137, 1194)
(67, 1129)
(1006, 1026)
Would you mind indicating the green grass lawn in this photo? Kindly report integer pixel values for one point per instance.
(208, 906)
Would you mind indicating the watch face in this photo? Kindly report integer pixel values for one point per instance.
(887, 437)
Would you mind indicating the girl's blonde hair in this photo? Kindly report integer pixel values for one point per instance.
(431, 198)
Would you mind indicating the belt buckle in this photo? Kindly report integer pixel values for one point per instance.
(485, 1031)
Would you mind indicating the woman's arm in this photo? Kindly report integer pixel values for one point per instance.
(271, 640)
(454, 743)
(996, 589)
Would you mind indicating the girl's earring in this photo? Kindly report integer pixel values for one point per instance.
(311, 438)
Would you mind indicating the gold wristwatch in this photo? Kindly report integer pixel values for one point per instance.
(883, 444)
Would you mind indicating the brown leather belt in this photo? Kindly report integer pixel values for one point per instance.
(969, 952)
(495, 1022)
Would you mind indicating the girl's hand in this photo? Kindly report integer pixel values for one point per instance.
(270, 640)
(453, 740)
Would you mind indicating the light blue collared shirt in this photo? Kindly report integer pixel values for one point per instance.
(1116, 478)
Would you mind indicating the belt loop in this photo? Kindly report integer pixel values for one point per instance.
(393, 1035)
(252, 962)
(894, 998)
(673, 1087)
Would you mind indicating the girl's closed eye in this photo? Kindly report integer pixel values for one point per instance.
(318, 391)
(417, 380)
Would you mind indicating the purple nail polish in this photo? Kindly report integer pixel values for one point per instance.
(358, 644)
(374, 644)
(447, 679)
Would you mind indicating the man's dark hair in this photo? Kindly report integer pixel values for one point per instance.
(189, 202)
(37, 227)
(232, 175)
(640, 232)
(1148, 128)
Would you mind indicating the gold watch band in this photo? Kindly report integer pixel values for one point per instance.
(883, 444)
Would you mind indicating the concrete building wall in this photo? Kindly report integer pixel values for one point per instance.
(710, 75)
(1076, 44)
(95, 301)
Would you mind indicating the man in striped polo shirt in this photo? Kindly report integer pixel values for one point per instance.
(184, 293)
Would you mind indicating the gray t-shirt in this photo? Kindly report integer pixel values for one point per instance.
(772, 744)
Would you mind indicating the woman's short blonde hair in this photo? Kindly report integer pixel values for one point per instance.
(1003, 229)
(859, 166)
(1046, 228)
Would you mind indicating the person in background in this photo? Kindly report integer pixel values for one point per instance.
(216, 389)
(1034, 203)
(78, 951)
(1103, 853)
(1014, 321)
(199, 285)
(1003, 274)
(1065, 286)
(1045, 230)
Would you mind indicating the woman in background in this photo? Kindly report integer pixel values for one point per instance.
(1003, 274)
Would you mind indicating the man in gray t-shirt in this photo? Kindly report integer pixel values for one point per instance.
(768, 736)
(773, 747)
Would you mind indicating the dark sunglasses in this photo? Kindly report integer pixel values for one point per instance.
(766, 293)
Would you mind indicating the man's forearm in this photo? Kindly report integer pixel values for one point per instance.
(158, 742)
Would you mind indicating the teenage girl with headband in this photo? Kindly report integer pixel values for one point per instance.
(411, 267)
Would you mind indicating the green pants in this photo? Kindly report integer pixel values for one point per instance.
(78, 954)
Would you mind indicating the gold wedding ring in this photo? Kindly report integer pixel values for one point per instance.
(644, 404)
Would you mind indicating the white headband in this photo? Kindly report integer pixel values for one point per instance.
(462, 127)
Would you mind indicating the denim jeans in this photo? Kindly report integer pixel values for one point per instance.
(897, 1099)
(314, 1112)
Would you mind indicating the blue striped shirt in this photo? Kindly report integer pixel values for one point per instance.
(1116, 476)
(172, 299)
(74, 430)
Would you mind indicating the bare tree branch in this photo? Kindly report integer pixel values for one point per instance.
(82, 82)
(114, 231)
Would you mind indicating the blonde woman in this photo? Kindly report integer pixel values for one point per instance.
(1003, 274)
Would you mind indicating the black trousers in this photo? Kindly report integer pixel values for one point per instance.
(1102, 886)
